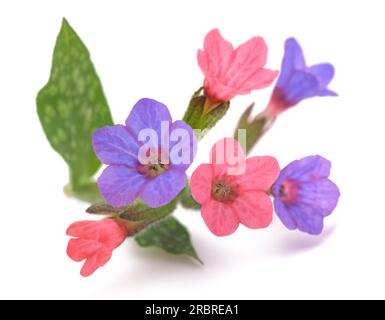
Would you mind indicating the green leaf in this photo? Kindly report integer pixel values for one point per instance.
(197, 119)
(71, 106)
(169, 235)
(186, 199)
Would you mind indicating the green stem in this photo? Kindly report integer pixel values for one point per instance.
(87, 192)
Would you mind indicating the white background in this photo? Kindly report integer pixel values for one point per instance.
(148, 49)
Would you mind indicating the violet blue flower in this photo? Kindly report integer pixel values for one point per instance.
(146, 158)
(303, 194)
(297, 82)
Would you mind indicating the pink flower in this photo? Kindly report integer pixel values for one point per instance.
(229, 72)
(95, 242)
(231, 194)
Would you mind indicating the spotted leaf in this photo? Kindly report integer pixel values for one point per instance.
(71, 106)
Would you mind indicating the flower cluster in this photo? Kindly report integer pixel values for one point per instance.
(146, 158)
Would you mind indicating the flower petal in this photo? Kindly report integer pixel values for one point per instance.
(248, 58)
(201, 183)
(305, 219)
(324, 73)
(114, 145)
(302, 85)
(164, 188)
(203, 62)
(82, 229)
(219, 218)
(95, 261)
(227, 153)
(217, 91)
(320, 195)
(261, 173)
(308, 168)
(218, 54)
(183, 145)
(293, 59)
(327, 93)
(120, 185)
(254, 209)
(284, 215)
(112, 233)
(80, 249)
(148, 114)
(98, 230)
(258, 80)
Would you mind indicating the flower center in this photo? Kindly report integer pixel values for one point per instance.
(224, 189)
(288, 191)
(153, 168)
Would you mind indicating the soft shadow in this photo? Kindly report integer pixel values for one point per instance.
(153, 265)
(297, 242)
(149, 270)
(155, 255)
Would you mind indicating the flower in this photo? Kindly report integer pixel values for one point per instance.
(153, 170)
(303, 194)
(230, 72)
(297, 82)
(229, 195)
(95, 241)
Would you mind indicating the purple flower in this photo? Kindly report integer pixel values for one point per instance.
(147, 157)
(303, 194)
(297, 82)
